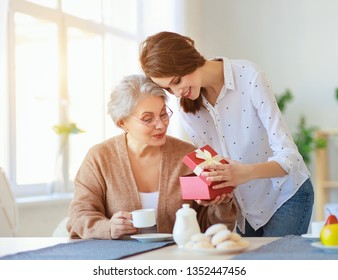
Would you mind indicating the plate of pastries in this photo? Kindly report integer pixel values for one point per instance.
(217, 239)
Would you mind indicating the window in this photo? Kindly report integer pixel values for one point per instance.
(64, 56)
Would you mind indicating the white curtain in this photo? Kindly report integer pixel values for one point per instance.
(4, 4)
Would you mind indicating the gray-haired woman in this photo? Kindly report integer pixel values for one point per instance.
(139, 168)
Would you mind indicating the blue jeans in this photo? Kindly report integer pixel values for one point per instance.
(293, 217)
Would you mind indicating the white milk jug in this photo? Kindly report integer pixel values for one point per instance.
(186, 225)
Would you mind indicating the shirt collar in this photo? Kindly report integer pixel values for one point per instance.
(228, 75)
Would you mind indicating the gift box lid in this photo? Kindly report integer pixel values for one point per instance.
(197, 159)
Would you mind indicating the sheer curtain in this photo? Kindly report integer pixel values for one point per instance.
(3, 82)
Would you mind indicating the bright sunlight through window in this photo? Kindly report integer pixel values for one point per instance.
(64, 57)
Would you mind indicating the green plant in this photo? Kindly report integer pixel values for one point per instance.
(67, 128)
(61, 180)
(337, 94)
(306, 140)
(64, 130)
(304, 137)
(283, 99)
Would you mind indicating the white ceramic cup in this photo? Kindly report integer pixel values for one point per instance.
(316, 228)
(143, 218)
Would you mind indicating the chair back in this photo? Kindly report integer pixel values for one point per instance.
(8, 208)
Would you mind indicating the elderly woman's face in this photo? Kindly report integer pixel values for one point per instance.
(147, 124)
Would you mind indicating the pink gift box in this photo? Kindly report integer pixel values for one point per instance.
(197, 159)
(193, 187)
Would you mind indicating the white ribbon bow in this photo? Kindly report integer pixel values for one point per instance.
(208, 159)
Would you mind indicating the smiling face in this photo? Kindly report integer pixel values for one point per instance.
(141, 134)
(188, 86)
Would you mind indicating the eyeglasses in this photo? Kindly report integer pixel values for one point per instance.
(152, 121)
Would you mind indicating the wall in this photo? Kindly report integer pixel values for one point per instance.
(39, 216)
(295, 42)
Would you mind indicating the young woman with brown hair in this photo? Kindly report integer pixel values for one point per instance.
(230, 105)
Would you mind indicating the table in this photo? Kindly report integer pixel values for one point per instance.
(182, 262)
(12, 245)
(175, 253)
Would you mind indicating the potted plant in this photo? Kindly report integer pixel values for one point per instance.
(304, 137)
(64, 130)
(306, 140)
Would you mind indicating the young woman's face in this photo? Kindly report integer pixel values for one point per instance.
(151, 110)
(188, 86)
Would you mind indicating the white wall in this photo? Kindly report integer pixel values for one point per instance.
(295, 42)
(40, 218)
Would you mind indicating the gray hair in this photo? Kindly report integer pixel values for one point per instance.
(129, 93)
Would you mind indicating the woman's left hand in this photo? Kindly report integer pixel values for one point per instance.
(223, 198)
(231, 175)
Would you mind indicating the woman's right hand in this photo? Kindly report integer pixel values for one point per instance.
(120, 224)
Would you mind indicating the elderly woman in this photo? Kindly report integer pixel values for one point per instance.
(137, 169)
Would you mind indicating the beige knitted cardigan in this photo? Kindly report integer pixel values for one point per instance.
(105, 185)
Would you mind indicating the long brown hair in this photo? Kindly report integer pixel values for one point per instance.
(168, 54)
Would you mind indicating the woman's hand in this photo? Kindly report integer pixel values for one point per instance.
(223, 198)
(236, 173)
(120, 224)
(232, 174)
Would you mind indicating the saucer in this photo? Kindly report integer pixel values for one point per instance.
(309, 235)
(152, 237)
(325, 248)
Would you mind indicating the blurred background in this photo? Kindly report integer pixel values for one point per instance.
(59, 60)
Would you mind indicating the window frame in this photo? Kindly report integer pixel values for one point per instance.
(63, 21)
(152, 17)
